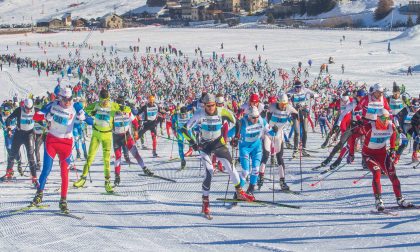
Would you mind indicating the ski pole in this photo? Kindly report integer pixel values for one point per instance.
(271, 167)
(172, 148)
(300, 166)
(414, 167)
(322, 179)
(357, 180)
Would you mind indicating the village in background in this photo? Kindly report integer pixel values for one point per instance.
(386, 14)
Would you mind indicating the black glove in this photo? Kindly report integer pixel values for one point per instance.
(122, 107)
(275, 128)
(359, 122)
(336, 128)
(194, 146)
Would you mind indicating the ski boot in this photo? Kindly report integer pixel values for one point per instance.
(250, 190)
(81, 182)
(9, 174)
(295, 154)
(38, 166)
(220, 166)
(260, 181)
(37, 199)
(183, 164)
(283, 185)
(243, 195)
(78, 155)
(108, 186)
(414, 157)
(63, 205)
(305, 153)
(288, 145)
(117, 180)
(189, 152)
(379, 203)
(143, 147)
(20, 170)
(403, 203)
(205, 209)
(350, 159)
(155, 154)
(327, 139)
(147, 171)
(335, 164)
(325, 162)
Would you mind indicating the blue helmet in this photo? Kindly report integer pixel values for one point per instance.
(361, 92)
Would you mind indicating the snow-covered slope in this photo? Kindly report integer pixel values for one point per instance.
(25, 11)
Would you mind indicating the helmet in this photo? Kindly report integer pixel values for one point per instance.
(65, 92)
(28, 103)
(377, 87)
(220, 99)
(151, 98)
(384, 112)
(253, 112)
(283, 98)
(361, 93)
(209, 98)
(254, 98)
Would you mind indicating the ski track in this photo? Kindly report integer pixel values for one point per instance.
(157, 215)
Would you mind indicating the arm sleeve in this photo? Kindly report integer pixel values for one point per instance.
(12, 116)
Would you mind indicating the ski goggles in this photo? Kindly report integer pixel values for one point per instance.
(254, 117)
(66, 99)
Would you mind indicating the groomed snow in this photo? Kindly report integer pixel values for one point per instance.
(154, 215)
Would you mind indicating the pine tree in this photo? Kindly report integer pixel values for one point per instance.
(418, 18)
(410, 22)
(383, 9)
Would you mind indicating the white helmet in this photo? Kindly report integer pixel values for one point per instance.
(283, 98)
(220, 99)
(384, 112)
(29, 103)
(377, 87)
(345, 98)
(253, 112)
(65, 92)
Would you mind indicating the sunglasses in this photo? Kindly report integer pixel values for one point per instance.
(384, 118)
(211, 106)
(255, 117)
(66, 99)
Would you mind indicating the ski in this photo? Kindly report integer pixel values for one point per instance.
(207, 216)
(6, 180)
(285, 191)
(113, 194)
(70, 215)
(331, 169)
(384, 212)
(317, 167)
(259, 202)
(28, 208)
(158, 177)
(414, 207)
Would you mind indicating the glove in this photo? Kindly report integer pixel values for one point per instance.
(234, 142)
(275, 128)
(194, 146)
(392, 153)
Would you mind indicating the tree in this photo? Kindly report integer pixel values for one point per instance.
(383, 9)
(418, 18)
(270, 18)
(410, 22)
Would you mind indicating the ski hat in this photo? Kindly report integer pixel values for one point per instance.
(254, 98)
(361, 92)
(395, 88)
(183, 110)
(253, 112)
(297, 84)
(220, 99)
(104, 94)
(377, 87)
(209, 98)
(65, 92)
(28, 103)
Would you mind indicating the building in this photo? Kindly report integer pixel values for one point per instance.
(79, 22)
(55, 23)
(186, 6)
(198, 12)
(66, 19)
(112, 21)
(252, 6)
(232, 6)
(414, 6)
